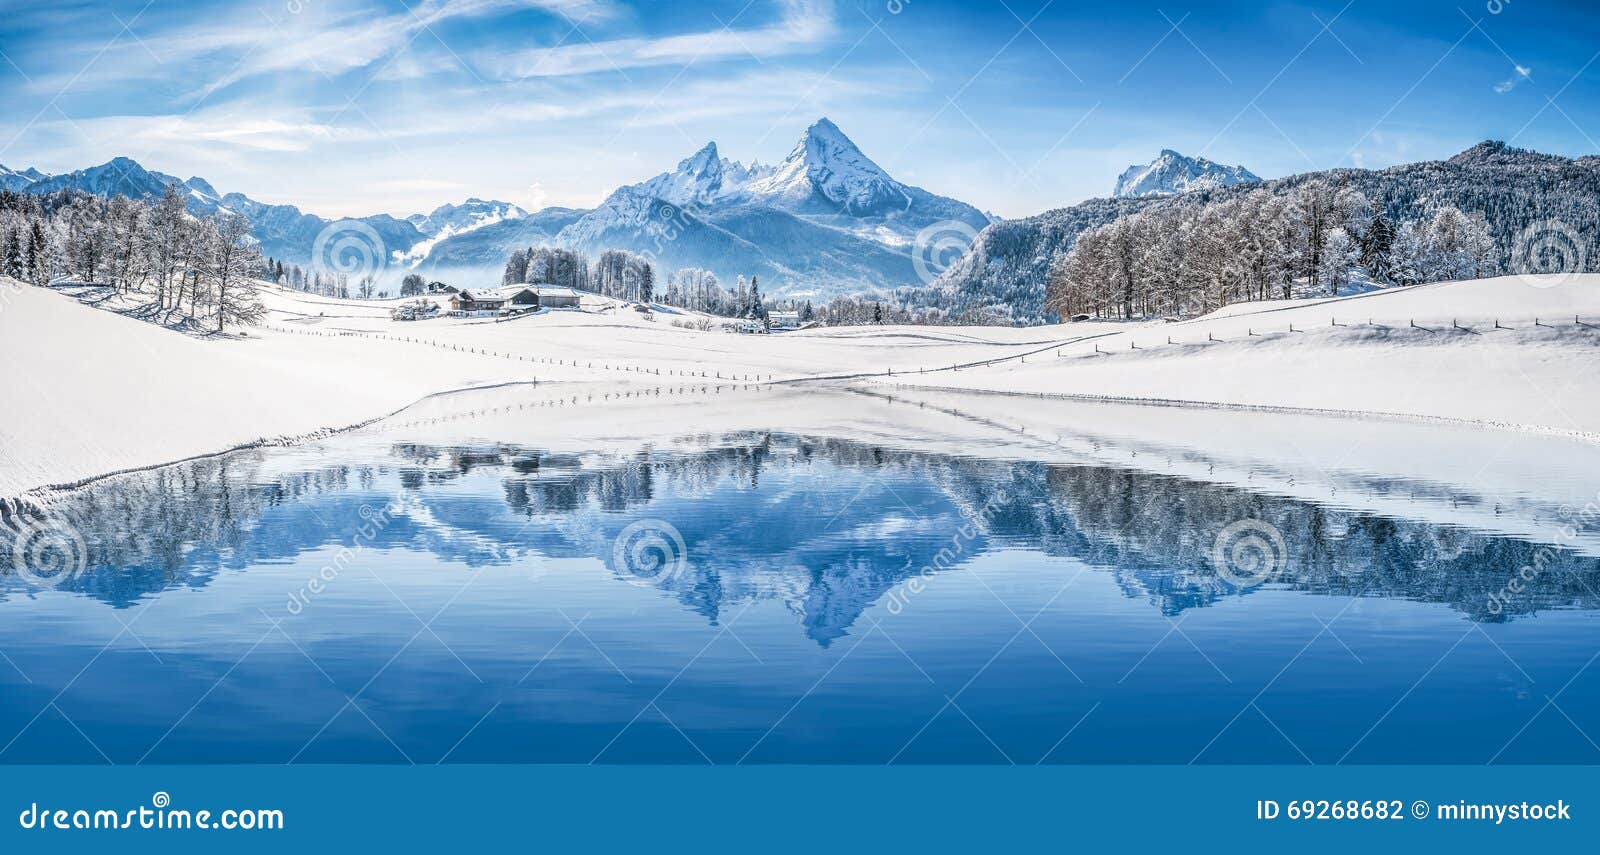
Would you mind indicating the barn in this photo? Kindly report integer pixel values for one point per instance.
(556, 297)
(472, 302)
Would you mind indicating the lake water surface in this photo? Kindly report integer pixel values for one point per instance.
(496, 582)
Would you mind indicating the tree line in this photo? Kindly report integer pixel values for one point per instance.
(628, 276)
(328, 283)
(199, 270)
(1189, 258)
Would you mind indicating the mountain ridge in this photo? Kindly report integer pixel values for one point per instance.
(1172, 173)
(826, 220)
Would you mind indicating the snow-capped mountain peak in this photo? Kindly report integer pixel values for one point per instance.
(1172, 173)
(120, 176)
(698, 179)
(701, 178)
(447, 221)
(203, 187)
(703, 161)
(825, 167)
(471, 214)
(11, 179)
(16, 179)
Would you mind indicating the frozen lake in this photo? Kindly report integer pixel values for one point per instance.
(537, 574)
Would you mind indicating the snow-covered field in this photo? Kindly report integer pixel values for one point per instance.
(88, 392)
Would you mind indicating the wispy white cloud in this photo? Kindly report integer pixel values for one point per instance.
(321, 38)
(803, 25)
(209, 129)
(1520, 75)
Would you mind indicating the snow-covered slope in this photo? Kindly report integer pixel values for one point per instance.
(482, 251)
(101, 392)
(447, 221)
(1172, 173)
(1512, 350)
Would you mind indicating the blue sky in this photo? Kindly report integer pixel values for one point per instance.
(350, 107)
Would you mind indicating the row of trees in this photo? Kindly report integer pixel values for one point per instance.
(1188, 259)
(699, 290)
(198, 269)
(323, 282)
(628, 276)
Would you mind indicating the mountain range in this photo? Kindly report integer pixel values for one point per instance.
(1172, 173)
(826, 220)
(829, 220)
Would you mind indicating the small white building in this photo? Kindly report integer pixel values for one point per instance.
(783, 320)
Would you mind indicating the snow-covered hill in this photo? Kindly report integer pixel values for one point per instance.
(1503, 351)
(1008, 263)
(1172, 173)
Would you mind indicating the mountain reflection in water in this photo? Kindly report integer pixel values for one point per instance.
(504, 575)
(826, 525)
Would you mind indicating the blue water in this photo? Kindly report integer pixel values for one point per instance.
(793, 599)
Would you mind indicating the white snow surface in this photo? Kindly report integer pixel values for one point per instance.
(89, 392)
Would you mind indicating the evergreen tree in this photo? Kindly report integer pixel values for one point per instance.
(16, 255)
(38, 256)
(1375, 244)
(754, 310)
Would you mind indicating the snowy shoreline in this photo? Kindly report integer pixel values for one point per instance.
(1324, 412)
(43, 491)
(96, 393)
